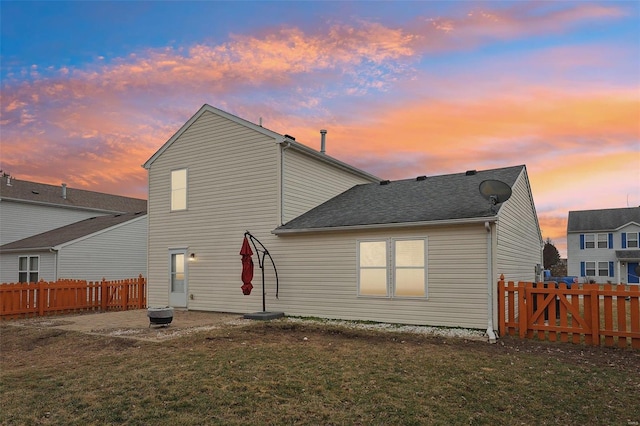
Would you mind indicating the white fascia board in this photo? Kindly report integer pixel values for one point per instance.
(102, 231)
(447, 222)
(26, 250)
(213, 110)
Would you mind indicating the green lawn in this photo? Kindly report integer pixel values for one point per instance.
(284, 373)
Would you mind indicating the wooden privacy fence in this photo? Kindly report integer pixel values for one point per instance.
(20, 300)
(590, 313)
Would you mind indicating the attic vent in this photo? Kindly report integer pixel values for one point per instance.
(419, 178)
(117, 215)
(471, 172)
(290, 137)
(385, 182)
(34, 192)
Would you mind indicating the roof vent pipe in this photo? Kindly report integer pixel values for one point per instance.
(323, 141)
(64, 191)
(8, 180)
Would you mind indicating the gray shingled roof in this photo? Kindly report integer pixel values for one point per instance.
(436, 198)
(602, 220)
(40, 193)
(64, 234)
(628, 255)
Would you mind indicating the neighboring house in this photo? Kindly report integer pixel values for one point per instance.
(603, 245)
(30, 208)
(111, 246)
(420, 251)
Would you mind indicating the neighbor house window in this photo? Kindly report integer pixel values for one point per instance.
(603, 269)
(590, 241)
(179, 189)
(590, 269)
(603, 241)
(28, 268)
(392, 267)
(632, 239)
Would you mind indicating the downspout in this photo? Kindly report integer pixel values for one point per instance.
(55, 264)
(490, 332)
(284, 146)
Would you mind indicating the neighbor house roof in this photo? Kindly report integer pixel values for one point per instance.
(60, 236)
(289, 141)
(453, 197)
(602, 220)
(44, 194)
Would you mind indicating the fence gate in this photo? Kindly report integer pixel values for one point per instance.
(582, 313)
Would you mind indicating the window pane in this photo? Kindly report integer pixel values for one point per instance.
(632, 239)
(33, 277)
(373, 282)
(603, 269)
(22, 277)
(410, 253)
(179, 189)
(33, 263)
(410, 282)
(590, 241)
(373, 253)
(22, 264)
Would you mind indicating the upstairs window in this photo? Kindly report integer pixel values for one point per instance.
(603, 241)
(589, 241)
(28, 269)
(179, 189)
(632, 240)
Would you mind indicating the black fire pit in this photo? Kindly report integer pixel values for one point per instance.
(160, 316)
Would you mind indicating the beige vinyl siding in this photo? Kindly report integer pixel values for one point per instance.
(309, 182)
(319, 278)
(9, 266)
(233, 186)
(518, 234)
(116, 253)
(22, 220)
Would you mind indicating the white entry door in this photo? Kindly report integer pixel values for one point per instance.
(178, 278)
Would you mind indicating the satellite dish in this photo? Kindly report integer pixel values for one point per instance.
(495, 191)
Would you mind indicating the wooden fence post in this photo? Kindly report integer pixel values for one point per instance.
(523, 319)
(595, 314)
(41, 297)
(103, 295)
(140, 292)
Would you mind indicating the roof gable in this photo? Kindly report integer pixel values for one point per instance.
(204, 109)
(75, 231)
(454, 197)
(44, 194)
(602, 220)
(278, 138)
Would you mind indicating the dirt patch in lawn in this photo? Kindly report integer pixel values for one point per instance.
(135, 324)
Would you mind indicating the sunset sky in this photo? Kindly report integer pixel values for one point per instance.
(90, 90)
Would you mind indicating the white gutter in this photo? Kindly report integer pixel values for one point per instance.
(490, 332)
(444, 222)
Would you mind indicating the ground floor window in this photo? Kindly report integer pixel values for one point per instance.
(393, 267)
(28, 269)
(599, 269)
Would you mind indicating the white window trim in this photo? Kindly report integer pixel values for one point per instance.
(594, 269)
(391, 267)
(594, 242)
(635, 239)
(598, 269)
(606, 241)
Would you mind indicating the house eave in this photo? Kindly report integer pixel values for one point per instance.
(63, 206)
(27, 250)
(328, 159)
(446, 222)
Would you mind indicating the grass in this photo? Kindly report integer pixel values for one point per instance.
(291, 373)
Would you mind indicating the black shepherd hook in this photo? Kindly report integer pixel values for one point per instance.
(265, 253)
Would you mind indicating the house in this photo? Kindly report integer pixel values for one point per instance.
(602, 245)
(346, 244)
(30, 208)
(110, 246)
(49, 232)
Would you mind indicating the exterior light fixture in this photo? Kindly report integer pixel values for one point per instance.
(192, 257)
